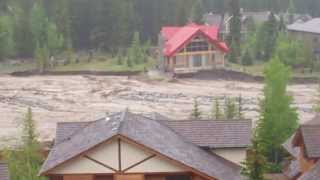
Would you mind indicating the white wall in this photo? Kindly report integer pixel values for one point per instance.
(108, 154)
(236, 155)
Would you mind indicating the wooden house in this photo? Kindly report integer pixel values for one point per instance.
(4, 172)
(304, 146)
(191, 48)
(127, 146)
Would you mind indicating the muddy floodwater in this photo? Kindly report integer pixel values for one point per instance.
(86, 98)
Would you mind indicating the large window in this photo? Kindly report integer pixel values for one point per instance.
(198, 44)
(196, 60)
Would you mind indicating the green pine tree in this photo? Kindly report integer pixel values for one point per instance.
(254, 166)
(197, 12)
(247, 58)
(230, 110)
(25, 162)
(196, 113)
(278, 118)
(216, 112)
(235, 30)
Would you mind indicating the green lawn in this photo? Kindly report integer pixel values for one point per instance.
(6, 67)
(107, 65)
(257, 70)
(104, 63)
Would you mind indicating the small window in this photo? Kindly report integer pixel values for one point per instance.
(56, 178)
(178, 177)
(103, 177)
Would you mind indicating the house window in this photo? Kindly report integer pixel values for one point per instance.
(178, 177)
(196, 60)
(56, 178)
(103, 177)
(198, 44)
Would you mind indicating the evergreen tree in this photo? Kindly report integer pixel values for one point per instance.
(7, 44)
(55, 40)
(247, 58)
(196, 113)
(62, 19)
(278, 118)
(216, 110)
(22, 27)
(39, 24)
(291, 52)
(240, 107)
(230, 110)
(136, 50)
(42, 58)
(254, 166)
(235, 29)
(25, 162)
(197, 12)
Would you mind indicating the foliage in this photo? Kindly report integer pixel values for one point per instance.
(266, 38)
(235, 31)
(39, 24)
(278, 118)
(233, 56)
(291, 52)
(196, 113)
(7, 44)
(247, 58)
(136, 51)
(230, 111)
(55, 40)
(240, 108)
(254, 166)
(216, 112)
(25, 162)
(197, 11)
(42, 58)
(316, 106)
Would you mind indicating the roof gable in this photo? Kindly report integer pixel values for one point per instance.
(308, 135)
(311, 26)
(204, 133)
(149, 133)
(177, 37)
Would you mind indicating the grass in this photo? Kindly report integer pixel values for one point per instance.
(257, 70)
(105, 65)
(101, 63)
(6, 67)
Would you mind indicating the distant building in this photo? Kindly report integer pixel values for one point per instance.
(127, 146)
(191, 48)
(307, 32)
(304, 147)
(4, 172)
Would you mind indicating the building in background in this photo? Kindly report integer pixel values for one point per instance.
(304, 147)
(191, 48)
(307, 32)
(127, 146)
(4, 172)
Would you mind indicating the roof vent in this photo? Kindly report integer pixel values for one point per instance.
(107, 119)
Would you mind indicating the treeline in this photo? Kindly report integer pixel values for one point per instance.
(110, 24)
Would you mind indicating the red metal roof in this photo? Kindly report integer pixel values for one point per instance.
(177, 37)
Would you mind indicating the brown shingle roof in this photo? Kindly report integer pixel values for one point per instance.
(204, 133)
(310, 135)
(4, 172)
(66, 129)
(214, 134)
(136, 127)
